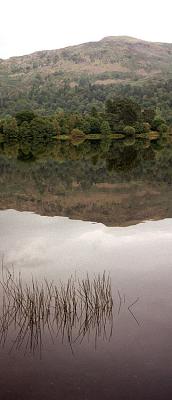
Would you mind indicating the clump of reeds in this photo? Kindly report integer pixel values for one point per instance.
(73, 309)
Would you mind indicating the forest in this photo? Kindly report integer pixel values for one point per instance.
(120, 116)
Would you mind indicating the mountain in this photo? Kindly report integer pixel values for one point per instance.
(81, 76)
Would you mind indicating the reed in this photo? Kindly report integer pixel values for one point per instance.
(72, 309)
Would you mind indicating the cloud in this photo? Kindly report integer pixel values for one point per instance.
(35, 25)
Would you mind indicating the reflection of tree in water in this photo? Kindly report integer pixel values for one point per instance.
(105, 144)
(124, 160)
(86, 182)
(88, 164)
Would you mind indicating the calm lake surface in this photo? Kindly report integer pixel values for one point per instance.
(85, 212)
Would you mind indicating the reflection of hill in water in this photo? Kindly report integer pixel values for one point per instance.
(117, 183)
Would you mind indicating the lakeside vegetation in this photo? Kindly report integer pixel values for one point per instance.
(28, 133)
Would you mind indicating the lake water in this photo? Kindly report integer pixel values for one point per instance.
(87, 216)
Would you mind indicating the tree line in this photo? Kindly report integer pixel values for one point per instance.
(120, 115)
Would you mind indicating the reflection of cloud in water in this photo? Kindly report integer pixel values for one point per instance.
(49, 243)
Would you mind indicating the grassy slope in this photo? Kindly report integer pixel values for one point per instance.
(113, 60)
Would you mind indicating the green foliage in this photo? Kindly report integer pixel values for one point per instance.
(24, 116)
(77, 133)
(129, 141)
(157, 122)
(93, 124)
(1, 126)
(42, 129)
(146, 127)
(142, 127)
(105, 128)
(129, 130)
(105, 144)
(77, 136)
(163, 128)
(123, 110)
(49, 97)
(148, 115)
(37, 134)
(25, 134)
(56, 126)
(10, 129)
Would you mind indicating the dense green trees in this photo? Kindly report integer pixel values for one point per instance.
(35, 133)
(47, 98)
(118, 155)
(105, 128)
(10, 129)
(123, 110)
(24, 116)
(129, 130)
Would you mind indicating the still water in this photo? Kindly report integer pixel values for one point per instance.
(87, 215)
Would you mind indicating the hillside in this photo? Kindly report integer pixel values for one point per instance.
(81, 76)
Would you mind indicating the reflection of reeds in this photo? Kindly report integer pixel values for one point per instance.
(74, 309)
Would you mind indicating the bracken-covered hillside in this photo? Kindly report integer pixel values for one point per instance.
(82, 76)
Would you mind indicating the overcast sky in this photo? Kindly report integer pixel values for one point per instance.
(31, 25)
